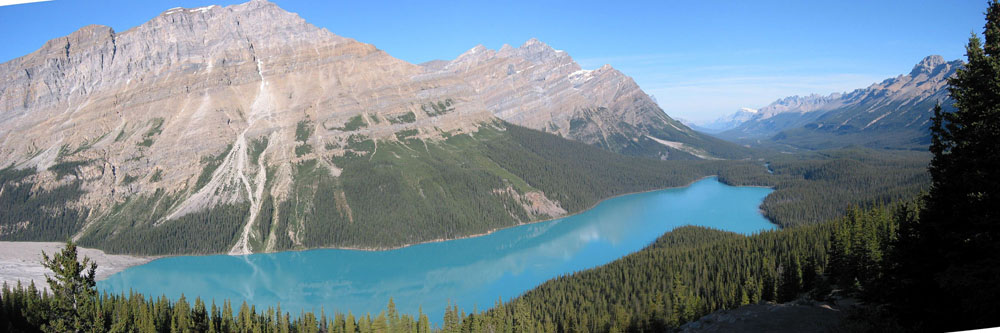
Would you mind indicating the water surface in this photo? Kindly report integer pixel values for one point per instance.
(471, 272)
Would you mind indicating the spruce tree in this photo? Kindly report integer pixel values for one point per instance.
(791, 280)
(948, 258)
(73, 289)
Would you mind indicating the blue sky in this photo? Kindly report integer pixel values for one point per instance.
(700, 59)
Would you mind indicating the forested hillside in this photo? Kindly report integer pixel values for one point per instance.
(395, 193)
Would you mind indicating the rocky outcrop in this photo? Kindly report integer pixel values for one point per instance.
(797, 316)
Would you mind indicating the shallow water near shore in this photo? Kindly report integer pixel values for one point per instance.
(472, 273)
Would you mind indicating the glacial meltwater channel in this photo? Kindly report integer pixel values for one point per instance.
(471, 273)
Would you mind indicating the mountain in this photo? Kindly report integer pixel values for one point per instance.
(894, 113)
(726, 122)
(246, 129)
(542, 88)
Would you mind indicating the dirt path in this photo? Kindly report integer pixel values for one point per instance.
(23, 261)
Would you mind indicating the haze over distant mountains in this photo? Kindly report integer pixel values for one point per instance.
(726, 122)
(231, 109)
(894, 113)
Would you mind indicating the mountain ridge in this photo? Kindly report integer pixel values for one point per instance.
(726, 122)
(222, 113)
(898, 108)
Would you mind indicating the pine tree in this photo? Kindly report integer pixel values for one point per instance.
(199, 316)
(380, 323)
(350, 324)
(179, 320)
(73, 289)
(948, 257)
(423, 325)
(451, 323)
(338, 323)
(522, 317)
(227, 323)
(791, 281)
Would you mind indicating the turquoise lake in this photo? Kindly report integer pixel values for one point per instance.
(471, 273)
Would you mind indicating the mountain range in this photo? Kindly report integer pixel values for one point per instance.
(272, 134)
(724, 123)
(894, 113)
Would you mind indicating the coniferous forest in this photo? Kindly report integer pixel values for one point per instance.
(914, 236)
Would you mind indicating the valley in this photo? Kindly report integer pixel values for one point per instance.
(261, 167)
(470, 273)
(121, 181)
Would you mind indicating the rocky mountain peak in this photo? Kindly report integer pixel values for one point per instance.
(533, 50)
(256, 19)
(533, 41)
(536, 51)
(475, 55)
(927, 65)
(478, 49)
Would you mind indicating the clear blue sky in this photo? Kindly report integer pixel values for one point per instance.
(700, 59)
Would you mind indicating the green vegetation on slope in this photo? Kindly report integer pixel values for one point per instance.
(63, 169)
(303, 130)
(138, 226)
(578, 175)
(632, 141)
(818, 186)
(211, 163)
(353, 124)
(155, 128)
(416, 190)
(683, 275)
(413, 191)
(438, 108)
(405, 118)
(29, 213)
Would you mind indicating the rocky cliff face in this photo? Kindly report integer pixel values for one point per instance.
(894, 113)
(542, 88)
(219, 106)
(132, 113)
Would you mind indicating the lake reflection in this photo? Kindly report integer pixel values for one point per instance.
(472, 273)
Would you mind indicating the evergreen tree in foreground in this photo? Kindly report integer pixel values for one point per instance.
(949, 256)
(74, 301)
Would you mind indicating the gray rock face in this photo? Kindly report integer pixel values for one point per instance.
(193, 84)
(894, 113)
(152, 108)
(542, 88)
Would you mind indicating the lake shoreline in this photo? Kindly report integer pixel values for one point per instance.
(22, 261)
(436, 240)
(468, 272)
